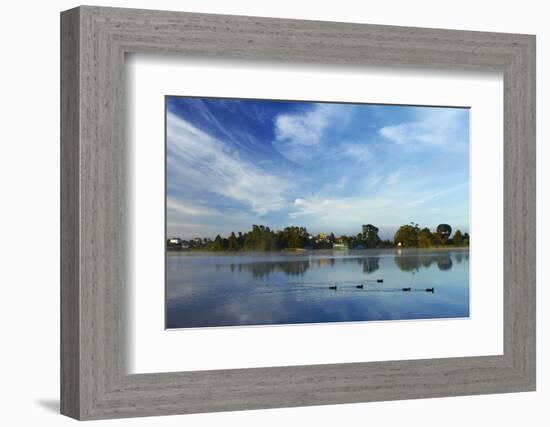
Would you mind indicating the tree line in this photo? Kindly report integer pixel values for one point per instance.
(261, 238)
(413, 236)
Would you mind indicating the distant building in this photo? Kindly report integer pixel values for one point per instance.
(339, 246)
(176, 243)
(196, 242)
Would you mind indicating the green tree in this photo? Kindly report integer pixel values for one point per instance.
(426, 239)
(276, 241)
(232, 243)
(358, 240)
(240, 239)
(407, 235)
(457, 238)
(295, 237)
(370, 235)
(217, 244)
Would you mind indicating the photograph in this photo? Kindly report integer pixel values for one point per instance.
(295, 212)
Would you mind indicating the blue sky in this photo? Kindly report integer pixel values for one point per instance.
(326, 166)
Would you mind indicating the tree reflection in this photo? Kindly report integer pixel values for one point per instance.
(406, 261)
(412, 262)
(264, 269)
(444, 262)
(370, 264)
(409, 263)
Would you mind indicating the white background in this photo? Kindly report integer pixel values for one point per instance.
(29, 168)
(152, 349)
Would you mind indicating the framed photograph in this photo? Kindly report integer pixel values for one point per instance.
(262, 213)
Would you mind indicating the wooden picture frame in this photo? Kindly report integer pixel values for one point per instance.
(94, 382)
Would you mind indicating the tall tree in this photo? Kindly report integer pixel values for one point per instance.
(457, 238)
(232, 243)
(425, 238)
(370, 235)
(407, 235)
(217, 244)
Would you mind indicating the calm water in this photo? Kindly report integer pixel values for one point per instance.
(262, 289)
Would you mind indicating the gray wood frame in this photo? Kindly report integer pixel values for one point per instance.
(94, 382)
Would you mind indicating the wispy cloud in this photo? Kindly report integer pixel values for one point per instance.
(329, 211)
(356, 151)
(433, 195)
(298, 135)
(197, 161)
(393, 177)
(189, 209)
(441, 127)
(304, 128)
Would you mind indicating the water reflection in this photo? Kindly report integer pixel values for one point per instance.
(459, 256)
(412, 262)
(265, 269)
(262, 289)
(408, 261)
(370, 264)
(299, 267)
(444, 262)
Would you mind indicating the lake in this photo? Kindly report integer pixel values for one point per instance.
(207, 289)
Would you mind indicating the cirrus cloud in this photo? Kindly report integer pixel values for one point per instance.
(198, 162)
(300, 136)
(441, 127)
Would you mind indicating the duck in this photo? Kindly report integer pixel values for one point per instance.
(333, 287)
(432, 290)
(406, 289)
(359, 286)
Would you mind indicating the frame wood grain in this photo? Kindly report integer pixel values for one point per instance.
(94, 381)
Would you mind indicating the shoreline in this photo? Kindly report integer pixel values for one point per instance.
(301, 252)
